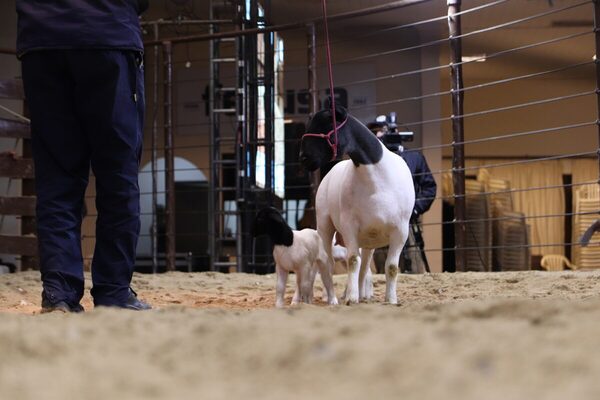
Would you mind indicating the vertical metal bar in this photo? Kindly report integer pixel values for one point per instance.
(251, 73)
(597, 62)
(269, 67)
(458, 151)
(242, 225)
(269, 110)
(154, 155)
(315, 177)
(169, 157)
(214, 176)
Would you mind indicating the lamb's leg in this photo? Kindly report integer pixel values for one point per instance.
(365, 269)
(305, 283)
(282, 276)
(298, 298)
(312, 273)
(325, 264)
(391, 264)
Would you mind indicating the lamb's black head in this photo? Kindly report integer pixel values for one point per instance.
(269, 221)
(315, 151)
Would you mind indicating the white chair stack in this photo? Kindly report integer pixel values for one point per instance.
(586, 208)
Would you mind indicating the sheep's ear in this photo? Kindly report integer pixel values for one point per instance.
(340, 113)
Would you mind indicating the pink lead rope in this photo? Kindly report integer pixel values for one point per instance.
(327, 136)
(329, 70)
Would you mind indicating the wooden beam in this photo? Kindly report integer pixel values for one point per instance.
(24, 206)
(20, 245)
(12, 166)
(11, 89)
(14, 129)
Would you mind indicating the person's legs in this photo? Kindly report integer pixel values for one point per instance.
(61, 157)
(110, 100)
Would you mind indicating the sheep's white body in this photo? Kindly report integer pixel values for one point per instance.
(370, 205)
(304, 257)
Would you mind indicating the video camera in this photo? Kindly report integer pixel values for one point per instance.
(386, 128)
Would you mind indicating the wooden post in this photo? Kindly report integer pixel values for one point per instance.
(169, 157)
(315, 177)
(458, 150)
(597, 62)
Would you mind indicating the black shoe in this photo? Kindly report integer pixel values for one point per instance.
(61, 306)
(133, 303)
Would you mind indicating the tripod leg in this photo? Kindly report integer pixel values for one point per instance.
(416, 231)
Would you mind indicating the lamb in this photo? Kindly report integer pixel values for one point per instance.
(368, 199)
(301, 252)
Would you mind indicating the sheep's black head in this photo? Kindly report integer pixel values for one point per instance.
(315, 149)
(269, 221)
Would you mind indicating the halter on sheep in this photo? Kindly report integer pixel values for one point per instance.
(368, 199)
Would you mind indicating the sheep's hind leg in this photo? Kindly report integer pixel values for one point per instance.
(328, 283)
(326, 232)
(391, 265)
(304, 284)
(365, 281)
(369, 284)
(352, 293)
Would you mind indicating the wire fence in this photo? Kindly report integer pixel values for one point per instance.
(530, 125)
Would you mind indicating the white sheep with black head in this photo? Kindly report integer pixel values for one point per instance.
(301, 252)
(368, 199)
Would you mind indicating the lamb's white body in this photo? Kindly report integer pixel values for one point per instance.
(303, 257)
(370, 206)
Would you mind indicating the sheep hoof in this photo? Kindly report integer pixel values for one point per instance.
(351, 300)
(334, 301)
(392, 300)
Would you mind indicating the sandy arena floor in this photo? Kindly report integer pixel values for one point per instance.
(526, 335)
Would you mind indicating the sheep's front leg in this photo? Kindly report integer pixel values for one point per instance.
(282, 276)
(391, 264)
(352, 293)
(364, 291)
(325, 263)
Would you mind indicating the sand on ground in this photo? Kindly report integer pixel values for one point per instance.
(514, 335)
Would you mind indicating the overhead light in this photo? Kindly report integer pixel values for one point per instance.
(474, 57)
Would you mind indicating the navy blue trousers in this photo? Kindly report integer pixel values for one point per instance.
(87, 110)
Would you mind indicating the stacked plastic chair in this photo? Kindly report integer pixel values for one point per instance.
(586, 208)
(479, 232)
